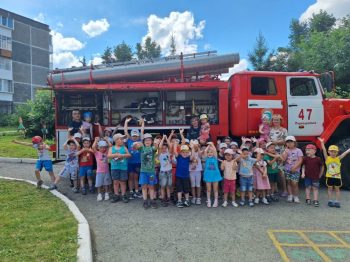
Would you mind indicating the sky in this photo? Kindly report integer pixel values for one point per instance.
(86, 28)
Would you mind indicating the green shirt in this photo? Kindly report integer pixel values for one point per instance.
(273, 168)
(148, 159)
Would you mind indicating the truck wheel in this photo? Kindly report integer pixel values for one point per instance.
(343, 145)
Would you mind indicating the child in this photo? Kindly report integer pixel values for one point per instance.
(246, 163)
(272, 159)
(165, 174)
(333, 174)
(148, 177)
(312, 171)
(205, 128)
(119, 167)
(261, 181)
(86, 163)
(182, 175)
(71, 166)
(264, 127)
(86, 127)
(293, 158)
(103, 179)
(212, 175)
(196, 172)
(134, 162)
(229, 167)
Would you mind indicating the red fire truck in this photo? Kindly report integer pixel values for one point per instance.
(168, 92)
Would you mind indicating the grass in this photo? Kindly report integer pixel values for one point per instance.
(8, 128)
(35, 225)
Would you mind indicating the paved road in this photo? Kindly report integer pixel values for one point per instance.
(127, 232)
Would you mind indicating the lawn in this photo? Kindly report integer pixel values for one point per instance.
(35, 225)
(7, 128)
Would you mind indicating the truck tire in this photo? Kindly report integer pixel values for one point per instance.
(343, 145)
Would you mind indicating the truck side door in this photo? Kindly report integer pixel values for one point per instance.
(305, 108)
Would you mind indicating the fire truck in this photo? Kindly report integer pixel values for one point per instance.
(169, 91)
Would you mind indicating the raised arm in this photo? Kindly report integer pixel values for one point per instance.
(76, 143)
(162, 141)
(183, 140)
(344, 154)
(126, 132)
(100, 132)
(142, 127)
(324, 150)
(94, 145)
(211, 144)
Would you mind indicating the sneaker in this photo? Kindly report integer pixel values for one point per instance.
(193, 201)
(138, 194)
(92, 190)
(187, 203)
(131, 195)
(216, 203)
(337, 204)
(296, 200)
(275, 198)
(316, 203)
(234, 204)
(198, 201)
(251, 204)
(179, 204)
(331, 203)
(264, 201)
(125, 199)
(224, 204)
(71, 183)
(208, 203)
(75, 190)
(83, 191)
(308, 201)
(290, 199)
(115, 198)
(39, 183)
(241, 203)
(145, 204)
(53, 187)
(256, 200)
(269, 198)
(99, 197)
(154, 204)
(163, 203)
(106, 196)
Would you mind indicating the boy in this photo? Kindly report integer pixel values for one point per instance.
(272, 158)
(76, 123)
(165, 174)
(333, 174)
(312, 171)
(86, 162)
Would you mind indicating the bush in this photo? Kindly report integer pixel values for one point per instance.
(8, 120)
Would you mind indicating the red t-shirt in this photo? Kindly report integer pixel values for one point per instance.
(86, 159)
(312, 167)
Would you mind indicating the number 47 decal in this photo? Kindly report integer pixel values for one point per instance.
(302, 116)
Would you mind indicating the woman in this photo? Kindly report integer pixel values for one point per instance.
(194, 131)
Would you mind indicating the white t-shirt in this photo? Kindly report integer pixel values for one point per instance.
(165, 162)
(196, 166)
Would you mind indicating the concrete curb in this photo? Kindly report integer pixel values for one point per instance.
(84, 252)
(17, 160)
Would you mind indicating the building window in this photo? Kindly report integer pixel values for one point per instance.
(5, 64)
(5, 43)
(6, 21)
(263, 86)
(6, 86)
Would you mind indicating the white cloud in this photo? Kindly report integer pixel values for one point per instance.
(65, 60)
(207, 47)
(96, 59)
(241, 66)
(95, 28)
(40, 18)
(59, 24)
(181, 25)
(339, 8)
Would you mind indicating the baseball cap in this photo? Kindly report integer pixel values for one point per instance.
(269, 144)
(184, 148)
(102, 143)
(290, 138)
(333, 148)
(248, 140)
(117, 136)
(86, 138)
(244, 148)
(222, 145)
(77, 135)
(187, 141)
(229, 151)
(147, 135)
(234, 144)
(194, 142)
(37, 139)
(311, 146)
(108, 129)
(203, 116)
(135, 132)
(259, 151)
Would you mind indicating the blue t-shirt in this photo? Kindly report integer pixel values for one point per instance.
(119, 163)
(246, 166)
(135, 154)
(183, 166)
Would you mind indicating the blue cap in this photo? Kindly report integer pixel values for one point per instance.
(135, 132)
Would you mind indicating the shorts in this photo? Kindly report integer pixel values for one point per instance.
(165, 178)
(118, 174)
(273, 177)
(195, 177)
(103, 179)
(229, 186)
(147, 178)
(134, 168)
(292, 176)
(70, 171)
(309, 182)
(333, 182)
(47, 164)
(85, 171)
(183, 185)
(246, 183)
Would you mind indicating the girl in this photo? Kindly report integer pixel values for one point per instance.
(119, 167)
(229, 167)
(165, 174)
(293, 158)
(212, 175)
(196, 172)
(205, 128)
(264, 127)
(260, 177)
(86, 162)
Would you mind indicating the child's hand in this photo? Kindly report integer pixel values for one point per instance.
(128, 120)
(142, 121)
(181, 131)
(243, 139)
(97, 139)
(293, 169)
(303, 175)
(321, 140)
(70, 129)
(254, 140)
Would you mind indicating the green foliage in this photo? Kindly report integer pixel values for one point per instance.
(149, 50)
(321, 22)
(107, 56)
(259, 57)
(38, 112)
(298, 32)
(123, 52)
(8, 120)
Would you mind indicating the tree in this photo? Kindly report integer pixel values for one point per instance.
(321, 22)
(149, 50)
(107, 56)
(123, 52)
(172, 45)
(298, 32)
(279, 60)
(260, 56)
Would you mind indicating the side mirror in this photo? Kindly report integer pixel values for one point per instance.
(327, 80)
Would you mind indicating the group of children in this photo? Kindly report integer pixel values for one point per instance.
(163, 165)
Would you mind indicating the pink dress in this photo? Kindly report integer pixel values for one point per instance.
(204, 132)
(266, 132)
(261, 183)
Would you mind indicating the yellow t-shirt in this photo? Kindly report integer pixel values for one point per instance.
(333, 165)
